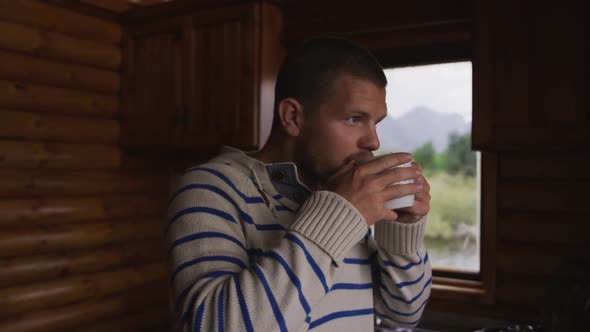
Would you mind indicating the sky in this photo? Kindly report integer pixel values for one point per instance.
(444, 88)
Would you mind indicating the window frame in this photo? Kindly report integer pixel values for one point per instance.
(449, 284)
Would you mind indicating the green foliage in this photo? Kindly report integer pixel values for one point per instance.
(425, 155)
(451, 175)
(454, 202)
(458, 155)
(457, 158)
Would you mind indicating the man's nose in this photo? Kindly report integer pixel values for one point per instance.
(370, 140)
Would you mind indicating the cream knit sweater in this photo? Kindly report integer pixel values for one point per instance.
(245, 258)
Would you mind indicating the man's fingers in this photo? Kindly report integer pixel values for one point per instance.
(400, 190)
(398, 174)
(390, 215)
(386, 162)
(422, 180)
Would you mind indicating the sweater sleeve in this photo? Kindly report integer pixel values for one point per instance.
(403, 275)
(220, 283)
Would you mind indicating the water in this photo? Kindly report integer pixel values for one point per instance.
(463, 255)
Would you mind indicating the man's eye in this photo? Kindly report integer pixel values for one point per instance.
(352, 120)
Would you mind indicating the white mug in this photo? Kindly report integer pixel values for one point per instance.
(401, 202)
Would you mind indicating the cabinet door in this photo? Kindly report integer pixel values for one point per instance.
(223, 78)
(528, 86)
(153, 81)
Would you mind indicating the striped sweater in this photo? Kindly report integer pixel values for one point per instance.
(244, 257)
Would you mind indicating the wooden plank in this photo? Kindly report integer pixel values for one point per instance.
(22, 299)
(56, 210)
(42, 183)
(42, 239)
(543, 195)
(489, 213)
(22, 154)
(36, 126)
(543, 293)
(51, 18)
(43, 267)
(148, 318)
(22, 38)
(44, 98)
(518, 138)
(532, 292)
(484, 63)
(84, 313)
(539, 261)
(544, 165)
(32, 69)
(537, 229)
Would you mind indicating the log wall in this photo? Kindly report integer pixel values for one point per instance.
(80, 246)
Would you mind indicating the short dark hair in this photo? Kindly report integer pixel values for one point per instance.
(307, 74)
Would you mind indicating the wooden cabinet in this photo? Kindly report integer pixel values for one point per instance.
(201, 80)
(528, 77)
(155, 80)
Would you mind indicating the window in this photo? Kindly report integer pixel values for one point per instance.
(429, 114)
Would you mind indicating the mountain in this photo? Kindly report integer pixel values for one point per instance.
(419, 126)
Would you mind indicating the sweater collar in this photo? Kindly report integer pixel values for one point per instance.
(279, 180)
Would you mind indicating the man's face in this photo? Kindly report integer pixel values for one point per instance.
(341, 128)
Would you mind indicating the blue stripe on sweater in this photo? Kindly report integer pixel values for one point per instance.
(216, 190)
(226, 216)
(199, 317)
(213, 274)
(294, 279)
(403, 267)
(243, 306)
(247, 199)
(220, 318)
(204, 235)
(269, 227)
(351, 286)
(340, 314)
(228, 259)
(310, 260)
(359, 261)
(406, 314)
(409, 283)
(200, 209)
(273, 302)
(401, 299)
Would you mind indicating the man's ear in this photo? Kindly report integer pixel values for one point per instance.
(290, 112)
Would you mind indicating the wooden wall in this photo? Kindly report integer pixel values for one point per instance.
(79, 219)
(533, 116)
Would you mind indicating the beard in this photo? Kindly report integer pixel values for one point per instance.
(308, 163)
(313, 165)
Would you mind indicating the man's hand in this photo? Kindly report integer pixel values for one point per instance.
(368, 187)
(421, 205)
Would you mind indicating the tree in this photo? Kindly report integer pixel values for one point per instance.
(425, 155)
(458, 155)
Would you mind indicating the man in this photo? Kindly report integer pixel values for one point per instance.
(279, 240)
